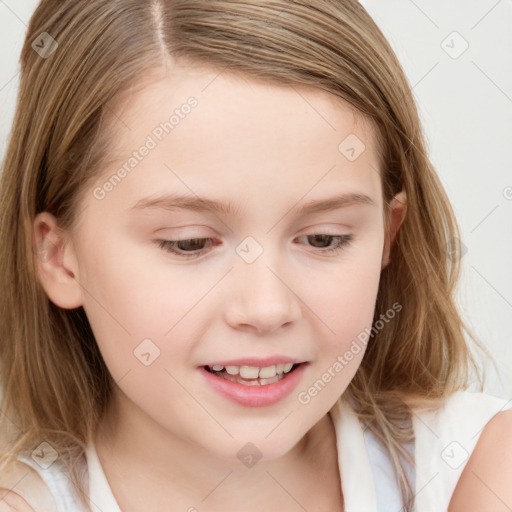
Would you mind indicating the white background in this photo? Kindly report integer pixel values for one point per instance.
(465, 101)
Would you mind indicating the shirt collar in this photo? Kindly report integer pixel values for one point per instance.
(356, 478)
(356, 475)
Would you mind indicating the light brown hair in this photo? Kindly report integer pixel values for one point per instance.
(55, 383)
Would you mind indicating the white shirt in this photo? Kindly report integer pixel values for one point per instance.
(444, 441)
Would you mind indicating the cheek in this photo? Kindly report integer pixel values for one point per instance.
(345, 306)
(128, 301)
(345, 299)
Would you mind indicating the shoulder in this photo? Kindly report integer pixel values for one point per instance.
(21, 488)
(485, 483)
(12, 502)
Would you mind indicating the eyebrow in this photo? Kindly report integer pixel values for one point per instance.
(202, 204)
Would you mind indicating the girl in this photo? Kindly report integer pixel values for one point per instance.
(227, 271)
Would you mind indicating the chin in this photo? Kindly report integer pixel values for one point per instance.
(252, 449)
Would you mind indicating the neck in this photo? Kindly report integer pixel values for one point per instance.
(143, 461)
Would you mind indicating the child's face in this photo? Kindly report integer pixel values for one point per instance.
(261, 287)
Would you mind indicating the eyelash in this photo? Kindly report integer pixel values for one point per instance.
(341, 242)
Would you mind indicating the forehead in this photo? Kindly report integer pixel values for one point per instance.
(239, 135)
(243, 102)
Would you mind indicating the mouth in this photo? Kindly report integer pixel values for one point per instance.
(252, 375)
(254, 386)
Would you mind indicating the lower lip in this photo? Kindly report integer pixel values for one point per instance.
(255, 396)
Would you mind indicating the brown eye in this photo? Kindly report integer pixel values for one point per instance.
(186, 248)
(324, 242)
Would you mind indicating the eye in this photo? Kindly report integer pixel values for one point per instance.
(340, 241)
(195, 247)
(175, 246)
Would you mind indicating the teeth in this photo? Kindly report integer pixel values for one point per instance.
(251, 382)
(233, 370)
(249, 372)
(267, 372)
(253, 372)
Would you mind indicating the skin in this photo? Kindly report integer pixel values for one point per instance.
(169, 437)
(484, 485)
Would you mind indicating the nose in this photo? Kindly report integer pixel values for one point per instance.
(261, 297)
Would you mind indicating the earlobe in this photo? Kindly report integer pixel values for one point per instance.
(396, 212)
(55, 262)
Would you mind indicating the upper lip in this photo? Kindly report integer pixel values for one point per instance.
(259, 362)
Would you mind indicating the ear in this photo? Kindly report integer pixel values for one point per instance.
(396, 213)
(55, 261)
